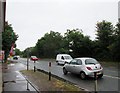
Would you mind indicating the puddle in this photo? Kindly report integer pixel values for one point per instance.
(13, 81)
(11, 64)
(19, 76)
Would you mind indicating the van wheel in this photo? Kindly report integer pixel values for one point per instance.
(57, 62)
(65, 71)
(83, 75)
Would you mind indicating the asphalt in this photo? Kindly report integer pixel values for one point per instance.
(13, 81)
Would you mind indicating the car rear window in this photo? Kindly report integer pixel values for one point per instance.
(33, 57)
(91, 61)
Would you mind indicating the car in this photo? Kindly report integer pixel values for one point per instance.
(84, 66)
(15, 57)
(18, 56)
(63, 58)
(34, 58)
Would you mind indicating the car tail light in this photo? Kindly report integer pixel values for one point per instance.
(89, 68)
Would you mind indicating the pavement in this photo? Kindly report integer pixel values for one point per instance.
(13, 81)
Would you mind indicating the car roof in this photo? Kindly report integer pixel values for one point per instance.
(83, 58)
(33, 56)
(64, 54)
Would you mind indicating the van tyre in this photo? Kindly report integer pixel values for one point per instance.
(83, 75)
(57, 62)
(65, 71)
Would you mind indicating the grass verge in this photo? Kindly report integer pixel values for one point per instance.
(41, 80)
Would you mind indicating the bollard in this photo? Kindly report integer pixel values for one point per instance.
(95, 78)
(49, 71)
(34, 66)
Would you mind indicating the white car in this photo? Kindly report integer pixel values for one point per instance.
(84, 67)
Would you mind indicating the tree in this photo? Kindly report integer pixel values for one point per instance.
(80, 44)
(17, 51)
(104, 38)
(8, 39)
(49, 45)
(25, 52)
(115, 50)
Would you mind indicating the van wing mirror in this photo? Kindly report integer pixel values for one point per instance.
(69, 62)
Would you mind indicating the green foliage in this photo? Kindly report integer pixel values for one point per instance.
(104, 33)
(27, 52)
(80, 43)
(104, 47)
(17, 51)
(115, 50)
(105, 38)
(53, 43)
(49, 45)
(8, 38)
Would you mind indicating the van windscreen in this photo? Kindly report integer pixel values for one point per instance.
(67, 57)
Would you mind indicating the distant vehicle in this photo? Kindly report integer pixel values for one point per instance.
(63, 58)
(84, 67)
(15, 57)
(18, 56)
(33, 58)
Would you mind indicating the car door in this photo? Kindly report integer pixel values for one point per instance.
(71, 65)
(77, 66)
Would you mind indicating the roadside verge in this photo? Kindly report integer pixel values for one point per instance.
(41, 80)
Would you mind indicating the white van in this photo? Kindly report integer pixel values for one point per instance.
(63, 58)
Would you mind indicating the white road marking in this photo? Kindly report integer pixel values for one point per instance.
(111, 77)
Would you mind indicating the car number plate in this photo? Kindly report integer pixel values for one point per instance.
(98, 73)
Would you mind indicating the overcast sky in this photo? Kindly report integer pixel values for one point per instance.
(32, 19)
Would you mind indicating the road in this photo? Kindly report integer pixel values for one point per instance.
(109, 82)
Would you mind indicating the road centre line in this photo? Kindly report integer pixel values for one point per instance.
(111, 77)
